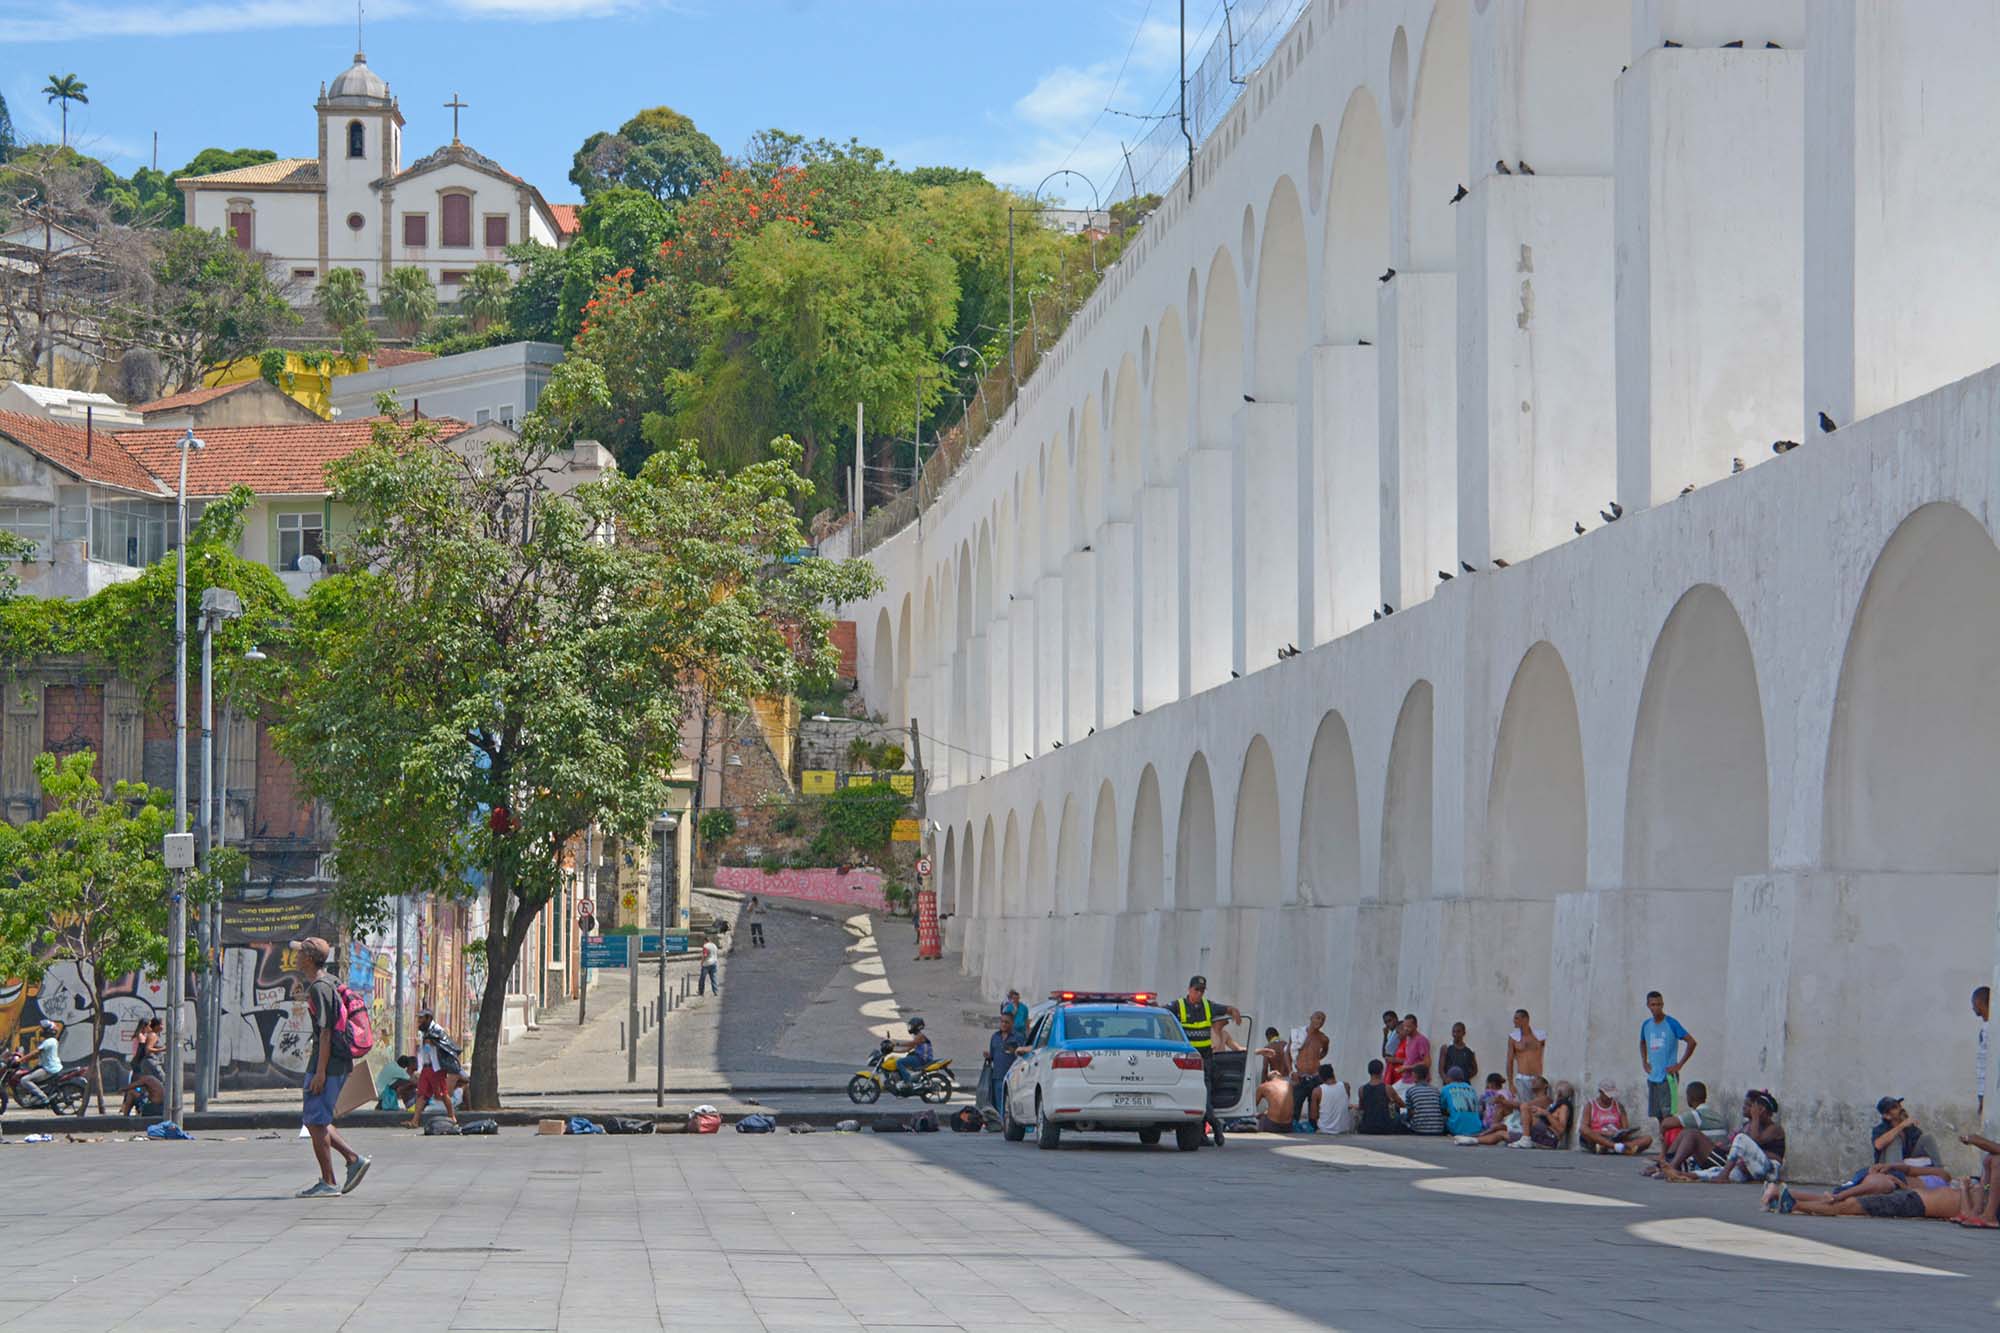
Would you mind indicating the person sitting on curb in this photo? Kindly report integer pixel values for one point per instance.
(1689, 1134)
(1605, 1130)
(1461, 1105)
(1516, 1116)
(1423, 1109)
(1274, 1105)
(1378, 1113)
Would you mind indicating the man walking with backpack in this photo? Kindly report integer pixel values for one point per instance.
(327, 1068)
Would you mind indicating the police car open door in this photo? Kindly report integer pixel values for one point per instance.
(1236, 1072)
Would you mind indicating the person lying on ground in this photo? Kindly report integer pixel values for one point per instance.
(1756, 1151)
(1982, 1192)
(1423, 1108)
(1378, 1113)
(1605, 1129)
(1887, 1177)
(1946, 1203)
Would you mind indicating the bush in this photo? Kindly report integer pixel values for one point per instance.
(862, 819)
(770, 863)
(716, 825)
(786, 821)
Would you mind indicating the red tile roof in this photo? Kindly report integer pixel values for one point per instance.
(567, 221)
(101, 457)
(270, 460)
(192, 398)
(388, 357)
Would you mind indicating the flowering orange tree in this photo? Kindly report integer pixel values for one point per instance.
(732, 206)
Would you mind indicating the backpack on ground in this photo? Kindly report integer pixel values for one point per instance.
(847, 1127)
(704, 1122)
(625, 1124)
(756, 1124)
(889, 1124)
(480, 1127)
(353, 1029)
(967, 1120)
(437, 1125)
(924, 1122)
(584, 1125)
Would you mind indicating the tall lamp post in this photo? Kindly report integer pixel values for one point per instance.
(179, 852)
(217, 605)
(210, 1015)
(1097, 202)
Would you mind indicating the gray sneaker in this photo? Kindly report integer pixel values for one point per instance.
(319, 1189)
(355, 1170)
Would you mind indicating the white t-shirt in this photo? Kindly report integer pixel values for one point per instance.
(1336, 1109)
(709, 953)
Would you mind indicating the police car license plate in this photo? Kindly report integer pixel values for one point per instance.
(1131, 1099)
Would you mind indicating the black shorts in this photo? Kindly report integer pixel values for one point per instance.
(1896, 1203)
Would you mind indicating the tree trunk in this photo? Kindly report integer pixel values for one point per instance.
(96, 1040)
(505, 935)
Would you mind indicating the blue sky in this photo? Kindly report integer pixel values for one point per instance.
(1015, 89)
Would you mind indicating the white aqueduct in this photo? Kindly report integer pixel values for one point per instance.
(1742, 745)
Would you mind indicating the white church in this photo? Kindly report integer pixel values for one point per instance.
(356, 205)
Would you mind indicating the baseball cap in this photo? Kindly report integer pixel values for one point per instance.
(1882, 1106)
(1197, 982)
(1607, 1087)
(315, 946)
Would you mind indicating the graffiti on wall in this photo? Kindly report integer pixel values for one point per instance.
(862, 888)
(264, 1035)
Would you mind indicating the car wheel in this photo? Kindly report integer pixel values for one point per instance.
(1048, 1134)
(1149, 1137)
(1187, 1137)
(863, 1091)
(1010, 1129)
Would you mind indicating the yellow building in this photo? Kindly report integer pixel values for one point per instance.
(308, 376)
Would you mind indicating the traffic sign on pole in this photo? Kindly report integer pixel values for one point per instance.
(605, 950)
(923, 867)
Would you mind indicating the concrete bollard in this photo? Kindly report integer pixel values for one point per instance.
(621, 1034)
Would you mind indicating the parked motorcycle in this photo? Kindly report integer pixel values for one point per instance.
(934, 1084)
(65, 1094)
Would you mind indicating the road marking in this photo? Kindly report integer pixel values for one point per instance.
(1340, 1154)
(1727, 1239)
(1514, 1191)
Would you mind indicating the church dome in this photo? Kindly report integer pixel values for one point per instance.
(358, 81)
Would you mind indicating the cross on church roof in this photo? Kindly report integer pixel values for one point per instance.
(455, 106)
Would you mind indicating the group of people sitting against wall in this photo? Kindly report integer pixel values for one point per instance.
(1692, 1140)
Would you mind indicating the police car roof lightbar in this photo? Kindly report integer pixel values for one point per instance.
(1103, 996)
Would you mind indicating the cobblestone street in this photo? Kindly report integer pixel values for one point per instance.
(947, 1231)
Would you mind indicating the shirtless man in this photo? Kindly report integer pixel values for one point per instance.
(1944, 1203)
(1277, 1053)
(1274, 1105)
(1312, 1051)
(1526, 1045)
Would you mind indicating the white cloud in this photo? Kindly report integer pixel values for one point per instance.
(1062, 123)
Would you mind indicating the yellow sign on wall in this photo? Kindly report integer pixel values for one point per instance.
(906, 831)
(816, 782)
(860, 779)
(906, 783)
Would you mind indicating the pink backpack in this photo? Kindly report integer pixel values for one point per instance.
(353, 1029)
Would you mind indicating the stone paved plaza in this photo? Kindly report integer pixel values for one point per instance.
(946, 1231)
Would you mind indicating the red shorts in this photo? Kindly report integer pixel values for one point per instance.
(431, 1083)
(1673, 1132)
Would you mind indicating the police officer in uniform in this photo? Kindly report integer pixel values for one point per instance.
(1197, 1015)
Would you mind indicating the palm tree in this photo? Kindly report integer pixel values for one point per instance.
(66, 88)
(409, 300)
(342, 299)
(482, 299)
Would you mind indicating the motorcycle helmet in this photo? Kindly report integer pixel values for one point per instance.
(916, 1025)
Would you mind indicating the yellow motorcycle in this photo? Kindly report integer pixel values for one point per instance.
(933, 1084)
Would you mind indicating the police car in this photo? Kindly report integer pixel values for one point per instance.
(1105, 1061)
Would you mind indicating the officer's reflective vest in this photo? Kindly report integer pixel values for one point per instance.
(1198, 1029)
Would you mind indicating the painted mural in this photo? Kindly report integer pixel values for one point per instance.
(862, 888)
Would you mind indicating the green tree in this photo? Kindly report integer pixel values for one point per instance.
(497, 673)
(546, 303)
(211, 160)
(66, 88)
(409, 300)
(629, 224)
(659, 151)
(805, 329)
(6, 131)
(207, 303)
(483, 296)
(342, 298)
(84, 883)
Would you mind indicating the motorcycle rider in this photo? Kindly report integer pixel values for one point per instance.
(48, 1056)
(1197, 1013)
(917, 1055)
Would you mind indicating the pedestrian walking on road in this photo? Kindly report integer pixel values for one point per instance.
(438, 1067)
(326, 1070)
(756, 915)
(709, 973)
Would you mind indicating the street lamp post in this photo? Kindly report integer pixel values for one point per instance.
(177, 905)
(210, 1016)
(1013, 366)
(217, 605)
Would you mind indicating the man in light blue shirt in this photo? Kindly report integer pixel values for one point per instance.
(1660, 1039)
(48, 1061)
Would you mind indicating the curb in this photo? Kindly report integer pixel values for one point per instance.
(669, 1122)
